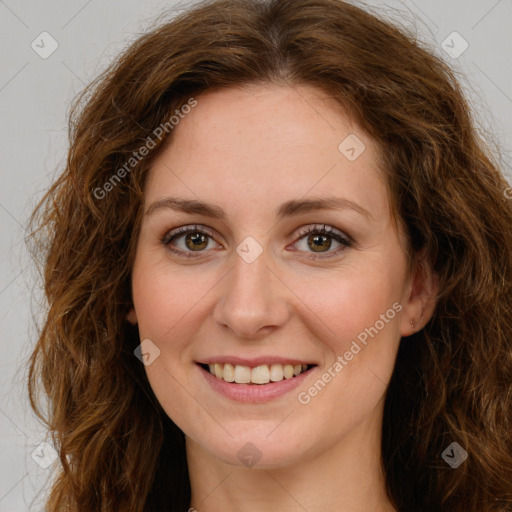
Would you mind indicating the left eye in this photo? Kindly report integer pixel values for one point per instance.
(319, 237)
(316, 238)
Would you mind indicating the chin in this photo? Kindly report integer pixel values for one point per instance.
(257, 451)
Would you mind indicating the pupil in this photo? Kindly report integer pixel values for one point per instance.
(197, 239)
(318, 241)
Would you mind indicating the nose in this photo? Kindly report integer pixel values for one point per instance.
(253, 300)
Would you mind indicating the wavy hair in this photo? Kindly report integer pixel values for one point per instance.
(118, 449)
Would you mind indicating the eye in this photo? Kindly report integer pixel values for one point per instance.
(319, 238)
(188, 240)
(195, 239)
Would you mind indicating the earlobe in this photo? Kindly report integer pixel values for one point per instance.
(422, 300)
(132, 316)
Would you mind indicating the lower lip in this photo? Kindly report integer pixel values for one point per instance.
(254, 393)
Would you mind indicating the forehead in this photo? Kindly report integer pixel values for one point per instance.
(268, 116)
(263, 143)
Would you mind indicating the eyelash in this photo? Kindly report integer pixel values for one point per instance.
(328, 231)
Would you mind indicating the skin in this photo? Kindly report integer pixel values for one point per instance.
(248, 150)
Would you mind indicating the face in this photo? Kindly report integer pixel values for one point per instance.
(263, 282)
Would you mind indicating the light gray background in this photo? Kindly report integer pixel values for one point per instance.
(35, 94)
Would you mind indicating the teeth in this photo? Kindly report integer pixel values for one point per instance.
(288, 371)
(276, 372)
(242, 374)
(262, 374)
(229, 373)
(219, 370)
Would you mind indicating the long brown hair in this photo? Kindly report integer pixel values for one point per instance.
(452, 382)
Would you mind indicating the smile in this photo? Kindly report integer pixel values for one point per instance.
(261, 374)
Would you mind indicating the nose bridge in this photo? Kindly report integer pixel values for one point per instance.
(252, 297)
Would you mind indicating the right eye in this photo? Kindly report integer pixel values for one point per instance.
(193, 239)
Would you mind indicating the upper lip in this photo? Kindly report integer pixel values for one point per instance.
(255, 361)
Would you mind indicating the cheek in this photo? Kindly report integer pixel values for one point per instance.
(165, 299)
(344, 305)
(359, 327)
(165, 302)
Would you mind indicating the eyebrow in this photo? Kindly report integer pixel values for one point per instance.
(287, 209)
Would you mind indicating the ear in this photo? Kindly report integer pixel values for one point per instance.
(421, 296)
(131, 316)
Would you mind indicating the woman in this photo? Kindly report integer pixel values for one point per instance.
(201, 351)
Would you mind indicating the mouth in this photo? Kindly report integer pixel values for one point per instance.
(255, 375)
